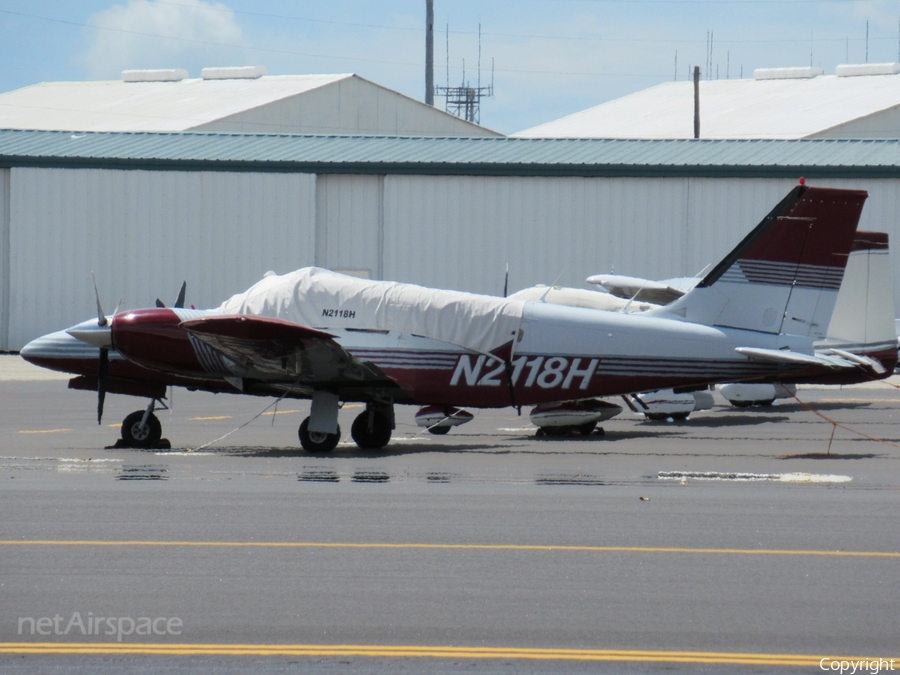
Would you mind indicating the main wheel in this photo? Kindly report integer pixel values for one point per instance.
(141, 435)
(317, 441)
(374, 436)
(438, 431)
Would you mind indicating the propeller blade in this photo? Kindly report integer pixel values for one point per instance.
(102, 372)
(101, 317)
(179, 302)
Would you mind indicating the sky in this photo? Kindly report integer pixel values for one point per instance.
(545, 58)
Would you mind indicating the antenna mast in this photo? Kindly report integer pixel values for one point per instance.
(465, 101)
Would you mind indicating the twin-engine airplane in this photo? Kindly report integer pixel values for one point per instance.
(331, 338)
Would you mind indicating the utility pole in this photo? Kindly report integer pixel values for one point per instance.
(429, 52)
(696, 101)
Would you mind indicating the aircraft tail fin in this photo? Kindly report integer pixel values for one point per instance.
(785, 275)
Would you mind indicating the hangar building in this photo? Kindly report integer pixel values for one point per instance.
(858, 101)
(241, 99)
(145, 211)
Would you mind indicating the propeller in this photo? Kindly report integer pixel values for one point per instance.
(103, 367)
(179, 301)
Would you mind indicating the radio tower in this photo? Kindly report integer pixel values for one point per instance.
(465, 101)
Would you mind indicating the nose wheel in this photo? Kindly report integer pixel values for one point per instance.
(141, 429)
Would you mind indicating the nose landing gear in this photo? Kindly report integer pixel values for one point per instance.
(141, 429)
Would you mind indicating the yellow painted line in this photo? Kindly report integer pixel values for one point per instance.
(738, 658)
(204, 419)
(463, 547)
(281, 412)
(44, 431)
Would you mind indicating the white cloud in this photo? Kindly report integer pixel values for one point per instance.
(188, 34)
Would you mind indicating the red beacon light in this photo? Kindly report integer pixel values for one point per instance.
(802, 180)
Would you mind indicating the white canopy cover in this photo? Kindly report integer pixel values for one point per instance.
(319, 298)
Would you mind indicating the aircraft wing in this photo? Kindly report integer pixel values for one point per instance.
(642, 290)
(274, 350)
(830, 360)
(858, 359)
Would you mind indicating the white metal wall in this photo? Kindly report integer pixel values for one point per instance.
(142, 233)
(349, 225)
(5, 279)
(459, 232)
(352, 105)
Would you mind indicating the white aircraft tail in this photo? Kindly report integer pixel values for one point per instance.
(864, 313)
(785, 275)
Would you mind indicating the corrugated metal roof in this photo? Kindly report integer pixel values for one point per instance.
(735, 109)
(464, 156)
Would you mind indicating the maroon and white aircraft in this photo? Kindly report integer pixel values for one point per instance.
(324, 336)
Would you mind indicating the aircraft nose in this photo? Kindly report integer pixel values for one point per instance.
(93, 334)
(48, 350)
(34, 349)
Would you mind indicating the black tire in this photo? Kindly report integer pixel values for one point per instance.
(371, 439)
(141, 436)
(741, 404)
(557, 431)
(439, 431)
(586, 429)
(680, 417)
(656, 417)
(317, 441)
(766, 403)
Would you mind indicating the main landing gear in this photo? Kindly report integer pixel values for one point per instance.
(320, 432)
(317, 441)
(372, 428)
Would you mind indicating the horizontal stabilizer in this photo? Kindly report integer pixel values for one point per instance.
(795, 358)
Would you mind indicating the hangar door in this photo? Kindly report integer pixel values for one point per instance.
(350, 224)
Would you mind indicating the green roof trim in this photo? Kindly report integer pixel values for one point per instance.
(191, 151)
